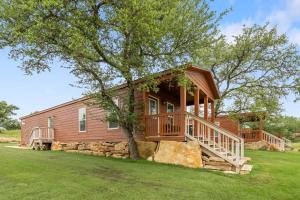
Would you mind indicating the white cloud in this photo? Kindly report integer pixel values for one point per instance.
(286, 16)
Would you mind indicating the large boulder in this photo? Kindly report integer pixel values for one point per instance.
(56, 146)
(146, 149)
(187, 154)
(260, 145)
(71, 146)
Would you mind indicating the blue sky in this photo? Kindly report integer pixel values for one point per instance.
(40, 91)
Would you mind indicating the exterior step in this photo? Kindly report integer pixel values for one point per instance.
(246, 169)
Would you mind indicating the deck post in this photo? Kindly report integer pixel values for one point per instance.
(261, 128)
(146, 109)
(206, 107)
(182, 109)
(196, 105)
(212, 107)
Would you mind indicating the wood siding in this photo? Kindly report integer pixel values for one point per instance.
(228, 124)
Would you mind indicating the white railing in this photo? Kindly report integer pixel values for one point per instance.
(220, 141)
(277, 142)
(41, 133)
(287, 142)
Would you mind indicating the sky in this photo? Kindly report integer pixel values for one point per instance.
(41, 91)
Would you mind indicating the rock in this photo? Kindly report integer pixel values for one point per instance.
(273, 147)
(150, 158)
(146, 149)
(83, 146)
(94, 146)
(71, 146)
(56, 146)
(246, 169)
(122, 146)
(108, 144)
(260, 145)
(179, 153)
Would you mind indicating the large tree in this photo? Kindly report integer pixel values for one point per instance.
(255, 70)
(105, 42)
(6, 112)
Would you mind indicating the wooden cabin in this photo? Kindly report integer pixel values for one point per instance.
(238, 125)
(163, 116)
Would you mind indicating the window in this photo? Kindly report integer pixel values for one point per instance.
(153, 106)
(112, 124)
(50, 122)
(170, 107)
(82, 119)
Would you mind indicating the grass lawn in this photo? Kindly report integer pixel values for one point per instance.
(11, 134)
(26, 174)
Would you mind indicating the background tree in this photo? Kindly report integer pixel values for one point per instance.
(105, 43)
(6, 112)
(283, 125)
(254, 71)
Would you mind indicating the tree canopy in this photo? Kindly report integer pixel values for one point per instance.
(255, 71)
(108, 42)
(6, 112)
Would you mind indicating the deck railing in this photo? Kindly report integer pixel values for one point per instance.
(250, 135)
(220, 141)
(41, 133)
(273, 140)
(287, 142)
(167, 124)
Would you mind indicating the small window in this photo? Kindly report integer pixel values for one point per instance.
(170, 107)
(153, 106)
(82, 119)
(50, 122)
(112, 124)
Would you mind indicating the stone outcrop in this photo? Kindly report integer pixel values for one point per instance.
(146, 149)
(108, 149)
(260, 145)
(179, 153)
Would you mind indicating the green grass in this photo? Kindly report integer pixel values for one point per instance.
(11, 134)
(26, 174)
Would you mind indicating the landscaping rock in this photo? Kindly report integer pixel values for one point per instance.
(56, 146)
(71, 146)
(146, 149)
(179, 153)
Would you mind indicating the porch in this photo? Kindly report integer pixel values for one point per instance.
(166, 111)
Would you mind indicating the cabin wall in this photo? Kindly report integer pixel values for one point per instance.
(228, 124)
(66, 122)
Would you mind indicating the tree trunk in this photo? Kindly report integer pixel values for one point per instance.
(133, 151)
(129, 127)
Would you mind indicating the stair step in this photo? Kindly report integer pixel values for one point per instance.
(246, 169)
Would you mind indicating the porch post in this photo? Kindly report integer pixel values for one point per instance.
(145, 113)
(212, 110)
(182, 109)
(206, 107)
(261, 128)
(196, 105)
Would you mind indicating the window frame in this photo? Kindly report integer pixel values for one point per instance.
(79, 120)
(168, 103)
(116, 101)
(157, 105)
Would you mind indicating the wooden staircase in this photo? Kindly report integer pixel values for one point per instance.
(278, 143)
(41, 138)
(216, 140)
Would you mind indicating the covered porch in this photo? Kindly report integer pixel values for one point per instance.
(165, 112)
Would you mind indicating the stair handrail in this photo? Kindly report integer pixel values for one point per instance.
(212, 125)
(287, 142)
(273, 140)
(237, 150)
(36, 133)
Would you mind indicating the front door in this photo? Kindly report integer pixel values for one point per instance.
(153, 112)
